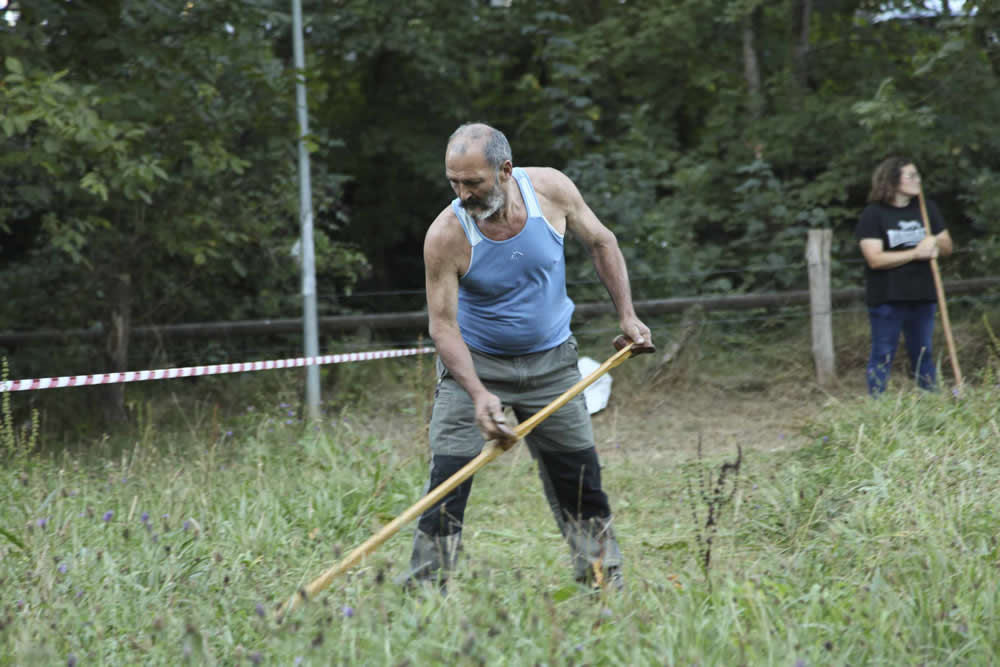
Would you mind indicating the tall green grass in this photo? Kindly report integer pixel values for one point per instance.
(173, 542)
(874, 544)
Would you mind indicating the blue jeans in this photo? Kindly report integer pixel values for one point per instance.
(916, 321)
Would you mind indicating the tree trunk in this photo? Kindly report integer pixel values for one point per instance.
(751, 62)
(801, 15)
(116, 352)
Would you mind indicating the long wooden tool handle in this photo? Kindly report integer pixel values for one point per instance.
(490, 452)
(942, 303)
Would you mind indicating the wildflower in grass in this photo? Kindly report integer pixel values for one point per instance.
(288, 421)
(145, 518)
(284, 405)
(259, 610)
(298, 660)
(255, 657)
(41, 523)
(63, 568)
(108, 515)
(186, 525)
(71, 661)
(20, 605)
(291, 413)
(347, 611)
(229, 434)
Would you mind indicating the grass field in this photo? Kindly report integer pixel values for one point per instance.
(865, 533)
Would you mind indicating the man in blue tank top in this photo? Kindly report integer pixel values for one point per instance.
(500, 319)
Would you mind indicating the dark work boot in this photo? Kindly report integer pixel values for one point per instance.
(432, 560)
(594, 548)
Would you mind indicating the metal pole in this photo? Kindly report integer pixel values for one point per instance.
(310, 328)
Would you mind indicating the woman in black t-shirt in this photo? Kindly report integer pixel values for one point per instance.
(899, 285)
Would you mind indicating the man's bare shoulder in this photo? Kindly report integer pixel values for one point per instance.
(445, 237)
(553, 185)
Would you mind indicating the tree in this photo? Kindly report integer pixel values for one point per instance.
(170, 147)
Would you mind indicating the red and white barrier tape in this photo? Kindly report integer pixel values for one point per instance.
(194, 371)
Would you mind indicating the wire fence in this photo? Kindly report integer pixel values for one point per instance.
(68, 356)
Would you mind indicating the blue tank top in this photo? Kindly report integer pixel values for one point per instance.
(513, 299)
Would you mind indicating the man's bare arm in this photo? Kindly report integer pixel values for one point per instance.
(607, 256)
(441, 277)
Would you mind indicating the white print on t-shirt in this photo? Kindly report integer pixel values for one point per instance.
(910, 233)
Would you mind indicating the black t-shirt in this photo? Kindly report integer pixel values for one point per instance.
(900, 228)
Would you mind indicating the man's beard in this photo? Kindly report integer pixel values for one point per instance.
(481, 209)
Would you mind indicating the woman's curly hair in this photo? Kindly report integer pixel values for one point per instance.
(886, 179)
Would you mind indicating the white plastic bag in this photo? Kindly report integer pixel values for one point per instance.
(597, 394)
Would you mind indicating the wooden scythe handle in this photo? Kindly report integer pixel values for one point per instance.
(942, 304)
(492, 450)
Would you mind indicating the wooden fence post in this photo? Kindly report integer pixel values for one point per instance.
(820, 304)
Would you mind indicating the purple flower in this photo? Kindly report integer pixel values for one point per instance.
(288, 421)
(259, 610)
(145, 517)
(71, 661)
(42, 522)
(781, 436)
(229, 434)
(283, 405)
(825, 438)
(298, 660)
(63, 567)
(124, 480)
(186, 524)
(108, 515)
(291, 413)
(347, 611)
(20, 605)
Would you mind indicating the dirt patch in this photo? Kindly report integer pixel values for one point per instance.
(666, 421)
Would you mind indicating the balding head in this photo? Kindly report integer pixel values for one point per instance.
(480, 137)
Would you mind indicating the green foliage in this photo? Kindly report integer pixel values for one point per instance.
(172, 145)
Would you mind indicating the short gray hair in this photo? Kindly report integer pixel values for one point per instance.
(496, 148)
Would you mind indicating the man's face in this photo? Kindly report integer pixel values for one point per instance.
(476, 184)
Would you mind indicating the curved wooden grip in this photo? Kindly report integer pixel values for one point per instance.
(622, 341)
